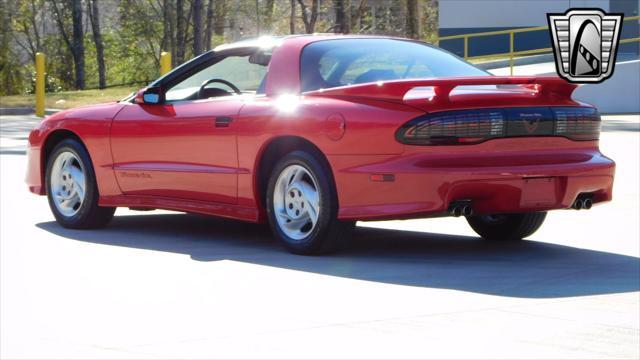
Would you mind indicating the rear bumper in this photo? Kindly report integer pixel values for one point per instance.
(424, 186)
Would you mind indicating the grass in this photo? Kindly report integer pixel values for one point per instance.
(68, 99)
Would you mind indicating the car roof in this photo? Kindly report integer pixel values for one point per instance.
(273, 41)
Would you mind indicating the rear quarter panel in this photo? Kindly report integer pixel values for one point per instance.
(369, 128)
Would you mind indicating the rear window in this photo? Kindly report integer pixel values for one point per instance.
(332, 63)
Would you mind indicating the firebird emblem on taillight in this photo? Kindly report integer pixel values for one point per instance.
(531, 125)
(530, 121)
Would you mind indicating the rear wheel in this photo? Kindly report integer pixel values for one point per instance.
(506, 226)
(71, 188)
(302, 206)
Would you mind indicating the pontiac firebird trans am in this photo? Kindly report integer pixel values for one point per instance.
(313, 133)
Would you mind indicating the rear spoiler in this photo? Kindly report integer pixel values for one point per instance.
(442, 87)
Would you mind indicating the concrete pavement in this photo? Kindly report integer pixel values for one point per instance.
(14, 132)
(168, 285)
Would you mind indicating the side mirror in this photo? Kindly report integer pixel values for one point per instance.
(149, 96)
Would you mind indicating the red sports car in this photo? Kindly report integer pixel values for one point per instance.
(313, 133)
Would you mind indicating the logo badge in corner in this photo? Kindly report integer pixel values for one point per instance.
(585, 42)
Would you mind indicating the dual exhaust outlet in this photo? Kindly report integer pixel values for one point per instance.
(582, 203)
(460, 208)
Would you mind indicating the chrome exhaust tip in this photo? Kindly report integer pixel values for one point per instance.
(578, 204)
(456, 211)
(587, 204)
(467, 210)
(459, 208)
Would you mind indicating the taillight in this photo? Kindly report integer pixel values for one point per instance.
(577, 123)
(475, 126)
(453, 127)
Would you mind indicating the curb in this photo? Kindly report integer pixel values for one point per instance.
(25, 111)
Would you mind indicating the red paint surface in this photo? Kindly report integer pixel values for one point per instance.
(173, 157)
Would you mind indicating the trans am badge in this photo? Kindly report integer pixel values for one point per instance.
(585, 43)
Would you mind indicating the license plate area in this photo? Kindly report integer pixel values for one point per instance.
(539, 192)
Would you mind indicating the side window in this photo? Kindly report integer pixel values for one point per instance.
(238, 70)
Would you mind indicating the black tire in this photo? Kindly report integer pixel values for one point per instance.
(329, 234)
(89, 215)
(506, 226)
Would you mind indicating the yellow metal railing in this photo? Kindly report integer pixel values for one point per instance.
(512, 54)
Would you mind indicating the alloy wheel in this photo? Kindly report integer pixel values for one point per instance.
(68, 183)
(296, 202)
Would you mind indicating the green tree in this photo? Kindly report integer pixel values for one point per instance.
(69, 13)
(11, 76)
(343, 16)
(94, 14)
(197, 27)
(413, 29)
(309, 16)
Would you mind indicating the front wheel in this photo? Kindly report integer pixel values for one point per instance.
(302, 206)
(506, 226)
(72, 190)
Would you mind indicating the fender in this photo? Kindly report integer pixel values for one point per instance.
(90, 124)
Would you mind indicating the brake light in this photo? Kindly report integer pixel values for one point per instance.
(457, 127)
(577, 123)
(475, 126)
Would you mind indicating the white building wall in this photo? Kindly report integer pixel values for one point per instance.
(504, 13)
(618, 94)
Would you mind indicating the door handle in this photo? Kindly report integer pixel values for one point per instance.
(223, 121)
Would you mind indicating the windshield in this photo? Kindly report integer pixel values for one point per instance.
(332, 63)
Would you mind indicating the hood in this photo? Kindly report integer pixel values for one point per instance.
(106, 111)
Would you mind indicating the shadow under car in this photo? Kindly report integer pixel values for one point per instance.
(525, 268)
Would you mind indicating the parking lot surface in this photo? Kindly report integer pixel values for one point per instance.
(169, 285)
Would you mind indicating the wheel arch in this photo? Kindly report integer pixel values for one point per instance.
(276, 148)
(51, 140)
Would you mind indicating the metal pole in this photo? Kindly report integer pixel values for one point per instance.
(40, 84)
(165, 62)
(466, 47)
(511, 52)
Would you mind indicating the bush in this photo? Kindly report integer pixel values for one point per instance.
(51, 84)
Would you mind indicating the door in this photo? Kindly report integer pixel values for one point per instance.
(186, 146)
